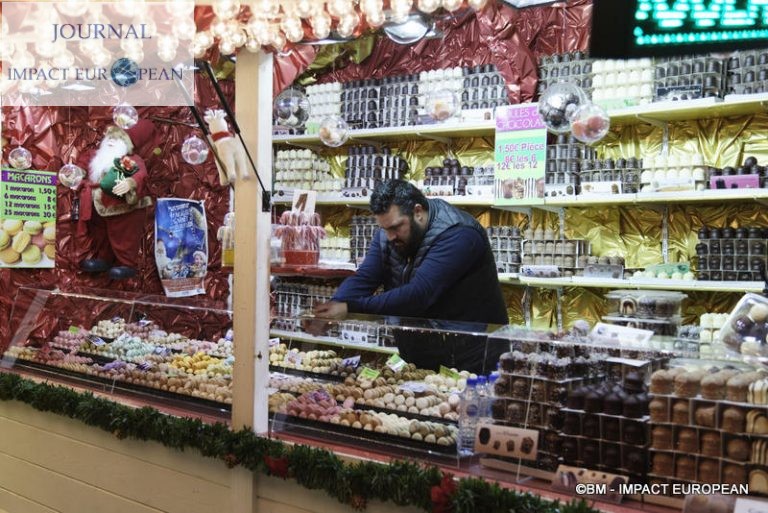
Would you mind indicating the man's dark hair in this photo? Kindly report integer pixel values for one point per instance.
(397, 192)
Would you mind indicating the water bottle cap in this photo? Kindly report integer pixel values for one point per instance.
(495, 375)
(482, 380)
(471, 382)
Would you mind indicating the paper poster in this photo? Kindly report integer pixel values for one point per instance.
(520, 155)
(27, 218)
(181, 246)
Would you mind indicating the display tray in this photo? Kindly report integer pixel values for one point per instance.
(306, 374)
(122, 386)
(326, 430)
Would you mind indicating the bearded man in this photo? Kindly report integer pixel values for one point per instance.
(113, 201)
(433, 261)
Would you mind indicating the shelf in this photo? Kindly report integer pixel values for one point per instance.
(311, 271)
(690, 109)
(459, 201)
(650, 198)
(450, 129)
(329, 341)
(645, 284)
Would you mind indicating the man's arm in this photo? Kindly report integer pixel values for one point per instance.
(449, 259)
(368, 278)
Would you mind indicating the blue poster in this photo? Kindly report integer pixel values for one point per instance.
(181, 246)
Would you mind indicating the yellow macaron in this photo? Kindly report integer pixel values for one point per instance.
(5, 239)
(33, 227)
(31, 255)
(20, 241)
(50, 251)
(9, 256)
(12, 226)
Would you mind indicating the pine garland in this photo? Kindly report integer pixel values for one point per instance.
(401, 482)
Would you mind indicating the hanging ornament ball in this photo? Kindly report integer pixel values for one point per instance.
(334, 131)
(20, 158)
(291, 108)
(71, 176)
(558, 104)
(590, 123)
(194, 150)
(441, 104)
(125, 116)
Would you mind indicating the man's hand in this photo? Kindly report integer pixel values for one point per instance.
(331, 310)
(121, 187)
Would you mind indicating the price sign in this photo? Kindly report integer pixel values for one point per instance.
(395, 363)
(449, 373)
(28, 201)
(520, 155)
(417, 387)
(96, 341)
(294, 358)
(352, 361)
(274, 342)
(369, 374)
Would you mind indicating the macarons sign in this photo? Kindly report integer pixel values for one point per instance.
(27, 218)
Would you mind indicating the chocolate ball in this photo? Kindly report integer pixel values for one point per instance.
(742, 324)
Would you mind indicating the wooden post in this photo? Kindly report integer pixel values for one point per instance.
(253, 108)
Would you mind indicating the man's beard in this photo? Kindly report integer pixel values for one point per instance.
(409, 248)
(104, 159)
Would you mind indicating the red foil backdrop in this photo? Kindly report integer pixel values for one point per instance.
(511, 39)
(57, 135)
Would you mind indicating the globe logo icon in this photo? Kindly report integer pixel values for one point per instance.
(124, 72)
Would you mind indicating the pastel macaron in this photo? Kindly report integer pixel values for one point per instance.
(9, 256)
(12, 226)
(20, 241)
(33, 227)
(5, 239)
(50, 251)
(49, 233)
(31, 255)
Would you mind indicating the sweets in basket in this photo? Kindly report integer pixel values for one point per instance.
(300, 235)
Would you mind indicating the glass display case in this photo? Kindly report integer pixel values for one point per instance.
(391, 383)
(134, 345)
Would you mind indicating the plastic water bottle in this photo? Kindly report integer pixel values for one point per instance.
(468, 415)
(485, 399)
(492, 379)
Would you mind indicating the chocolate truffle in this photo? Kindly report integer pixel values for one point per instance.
(576, 398)
(590, 453)
(634, 382)
(705, 416)
(710, 444)
(611, 428)
(685, 468)
(499, 409)
(593, 401)
(733, 420)
(661, 464)
(634, 433)
(686, 441)
(572, 425)
(634, 461)
(611, 455)
(709, 471)
(506, 362)
(737, 449)
(659, 410)
(591, 426)
(515, 412)
(633, 408)
(734, 474)
(613, 404)
(661, 437)
(680, 412)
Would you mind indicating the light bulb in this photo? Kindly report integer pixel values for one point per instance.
(227, 47)
(292, 29)
(131, 45)
(203, 40)
(180, 9)
(306, 8)
(321, 25)
(238, 38)
(226, 9)
(338, 8)
(101, 57)
(184, 29)
(252, 45)
(477, 4)
(259, 29)
(375, 18)
(125, 7)
(278, 41)
(74, 8)
(166, 42)
(265, 9)
(6, 49)
(63, 59)
(198, 51)
(135, 54)
(400, 10)
(23, 59)
(452, 5)
(218, 27)
(166, 54)
(347, 24)
(45, 49)
(428, 6)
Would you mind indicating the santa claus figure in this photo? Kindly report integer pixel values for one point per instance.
(113, 201)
